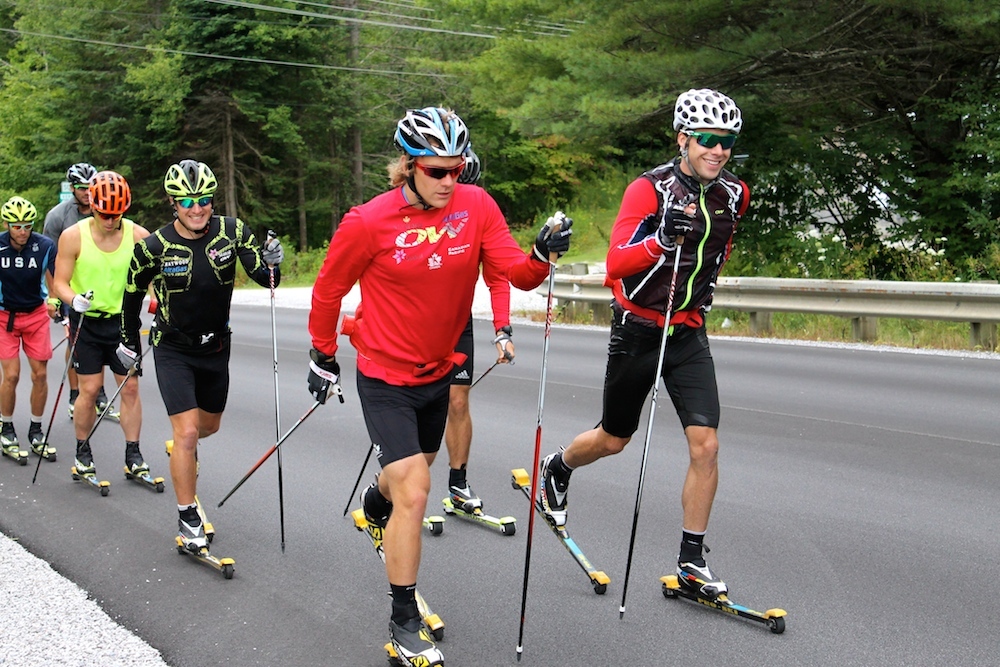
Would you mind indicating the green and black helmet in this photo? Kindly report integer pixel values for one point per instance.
(18, 209)
(190, 178)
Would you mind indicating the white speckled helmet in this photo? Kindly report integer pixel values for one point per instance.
(432, 131)
(705, 108)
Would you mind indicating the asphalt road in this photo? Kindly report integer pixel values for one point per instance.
(858, 492)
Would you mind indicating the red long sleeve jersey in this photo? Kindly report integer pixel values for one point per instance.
(418, 271)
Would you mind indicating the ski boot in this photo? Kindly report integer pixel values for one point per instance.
(10, 446)
(136, 469)
(102, 403)
(411, 644)
(84, 471)
(191, 531)
(465, 499)
(551, 500)
(38, 444)
(72, 402)
(376, 518)
(697, 577)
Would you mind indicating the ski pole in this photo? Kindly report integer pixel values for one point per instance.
(360, 475)
(495, 364)
(132, 370)
(277, 419)
(652, 412)
(64, 322)
(62, 383)
(273, 449)
(553, 257)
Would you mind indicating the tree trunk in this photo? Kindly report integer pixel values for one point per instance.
(301, 188)
(229, 162)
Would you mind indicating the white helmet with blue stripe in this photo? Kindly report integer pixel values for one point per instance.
(432, 131)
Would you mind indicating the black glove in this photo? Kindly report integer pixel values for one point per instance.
(130, 358)
(324, 376)
(678, 220)
(548, 242)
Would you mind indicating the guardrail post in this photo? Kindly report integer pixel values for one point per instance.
(761, 322)
(864, 328)
(983, 335)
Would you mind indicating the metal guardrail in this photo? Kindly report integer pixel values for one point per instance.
(863, 301)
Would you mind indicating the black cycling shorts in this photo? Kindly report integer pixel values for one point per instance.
(404, 421)
(97, 344)
(688, 375)
(192, 381)
(466, 345)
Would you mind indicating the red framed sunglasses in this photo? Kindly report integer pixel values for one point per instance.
(437, 173)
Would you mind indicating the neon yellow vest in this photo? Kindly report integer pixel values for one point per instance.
(103, 272)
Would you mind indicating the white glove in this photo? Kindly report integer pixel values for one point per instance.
(81, 302)
(273, 254)
(128, 357)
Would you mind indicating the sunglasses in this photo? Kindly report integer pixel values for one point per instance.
(20, 226)
(709, 140)
(80, 186)
(188, 202)
(107, 216)
(437, 173)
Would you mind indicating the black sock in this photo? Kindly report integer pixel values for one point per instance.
(560, 472)
(404, 604)
(691, 544)
(457, 477)
(73, 393)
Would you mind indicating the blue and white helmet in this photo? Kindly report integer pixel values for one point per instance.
(705, 108)
(432, 131)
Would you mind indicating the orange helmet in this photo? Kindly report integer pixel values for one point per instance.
(110, 193)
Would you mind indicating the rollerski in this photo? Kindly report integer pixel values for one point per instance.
(192, 541)
(598, 579)
(90, 477)
(209, 528)
(137, 470)
(773, 619)
(463, 504)
(41, 448)
(142, 476)
(10, 447)
(433, 622)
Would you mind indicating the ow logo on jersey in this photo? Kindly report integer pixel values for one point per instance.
(453, 225)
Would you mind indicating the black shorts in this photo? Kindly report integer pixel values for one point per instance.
(688, 375)
(403, 421)
(192, 381)
(467, 346)
(97, 344)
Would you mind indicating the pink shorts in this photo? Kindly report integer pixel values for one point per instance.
(31, 330)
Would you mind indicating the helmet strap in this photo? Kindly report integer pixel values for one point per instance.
(411, 180)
